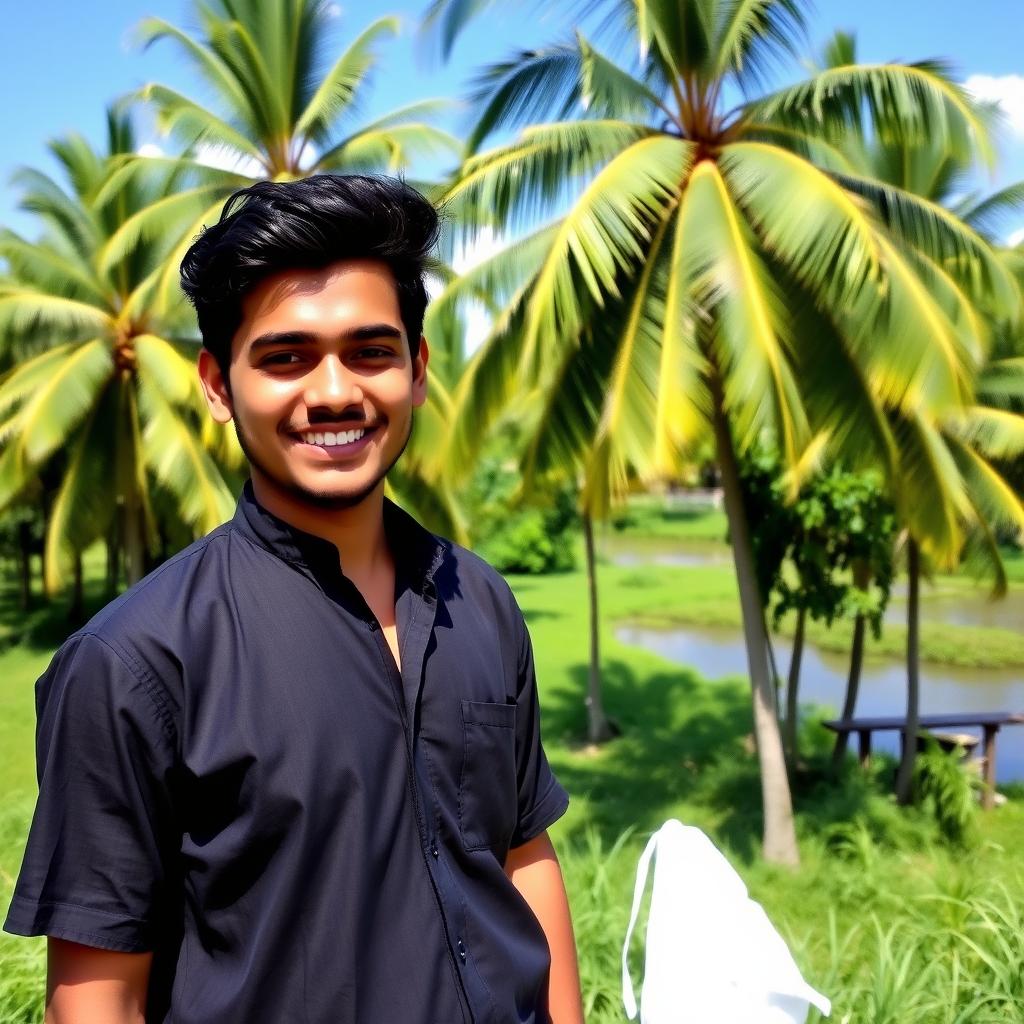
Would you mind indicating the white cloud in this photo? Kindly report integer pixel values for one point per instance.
(150, 149)
(333, 10)
(1007, 91)
(1016, 238)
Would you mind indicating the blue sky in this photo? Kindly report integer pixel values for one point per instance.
(61, 61)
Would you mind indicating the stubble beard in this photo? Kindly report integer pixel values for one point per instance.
(326, 501)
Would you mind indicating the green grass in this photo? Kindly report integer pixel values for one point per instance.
(882, 916)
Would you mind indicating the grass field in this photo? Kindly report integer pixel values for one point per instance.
(887, 919)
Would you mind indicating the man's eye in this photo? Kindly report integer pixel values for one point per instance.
(282, 359)
(374, 352)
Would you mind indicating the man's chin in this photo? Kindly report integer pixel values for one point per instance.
(333, 499)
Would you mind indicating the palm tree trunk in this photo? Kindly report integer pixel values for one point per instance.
(134, 554)
(905, 777)
(852, 686)
(779, 840)
(113, 559)
(792, 687)
(76, 610)
(598, 729)
(25, 564)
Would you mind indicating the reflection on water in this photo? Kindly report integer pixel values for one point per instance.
(715, 653)
(671, 558)
(970, 609)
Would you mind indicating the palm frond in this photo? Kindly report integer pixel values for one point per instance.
(26, 377)
(913, 103)
(604, 234)
(25, 309)
(83, 508)
(726, 278)
(607, 90)
(58, 405)
(1002, 381)
(805, 219)
(518, 184)
(754, 36)
(995, 433)
(166, 217)
(940, 235)
(50, 270)
(338, 87)
(530, 87)
(160, 361)
(999, 504)
(174, 452)
(181, 116)
(207, 62)
(997, 214)
(932, 496)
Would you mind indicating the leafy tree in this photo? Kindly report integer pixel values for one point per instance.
(836, 540)
(104, 389)
(699, 257)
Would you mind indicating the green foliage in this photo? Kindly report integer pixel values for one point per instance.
(515, 536)
(948, 792)
(838, 536)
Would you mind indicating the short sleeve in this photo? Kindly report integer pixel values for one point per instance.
(542, 800)
(95, 869)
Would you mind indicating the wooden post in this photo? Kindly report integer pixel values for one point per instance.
(988, 794)
(864, 747)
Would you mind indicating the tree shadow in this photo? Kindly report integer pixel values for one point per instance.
(684, 741)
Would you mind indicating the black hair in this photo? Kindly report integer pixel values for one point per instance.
(271, 226)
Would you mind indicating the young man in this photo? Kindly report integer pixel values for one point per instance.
(295, 775)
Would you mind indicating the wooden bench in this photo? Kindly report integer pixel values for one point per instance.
(989, 722)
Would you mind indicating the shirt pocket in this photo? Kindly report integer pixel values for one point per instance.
(488, 795)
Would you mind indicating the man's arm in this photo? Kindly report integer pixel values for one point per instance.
(534, 871)
(85, 985)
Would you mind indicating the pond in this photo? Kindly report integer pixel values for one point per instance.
(718, 653)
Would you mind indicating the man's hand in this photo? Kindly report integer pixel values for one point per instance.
(534, 871)
(85, 985)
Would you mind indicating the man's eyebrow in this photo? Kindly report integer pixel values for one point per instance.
(282, 338)
(366, 332)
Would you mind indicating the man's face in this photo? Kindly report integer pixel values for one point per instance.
(322, 384)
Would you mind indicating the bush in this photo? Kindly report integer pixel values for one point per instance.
(516, 536)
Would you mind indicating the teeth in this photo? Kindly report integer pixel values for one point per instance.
(329, 437)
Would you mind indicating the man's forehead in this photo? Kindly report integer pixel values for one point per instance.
(356, 285)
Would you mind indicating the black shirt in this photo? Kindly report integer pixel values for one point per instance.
(234, 774)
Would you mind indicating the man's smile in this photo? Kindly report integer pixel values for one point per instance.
(333, 442)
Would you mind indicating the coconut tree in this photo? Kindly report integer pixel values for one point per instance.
(101, 388)
(692, 231)
(279, 105)
(949, 495)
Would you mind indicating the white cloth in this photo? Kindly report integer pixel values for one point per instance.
(712, 955)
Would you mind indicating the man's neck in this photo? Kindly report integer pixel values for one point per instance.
(357, 532)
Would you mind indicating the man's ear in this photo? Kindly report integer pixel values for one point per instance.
(215, 387)
(419, 373)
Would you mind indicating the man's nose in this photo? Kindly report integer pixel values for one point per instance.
(332, 385)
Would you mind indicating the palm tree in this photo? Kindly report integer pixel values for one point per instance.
(102, 390)
(948, 493)
(280, 110)
(691, 238)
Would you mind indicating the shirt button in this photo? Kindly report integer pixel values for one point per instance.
(433, 850)
(462, 950)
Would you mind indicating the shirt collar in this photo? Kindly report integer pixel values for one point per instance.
(417, 552)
